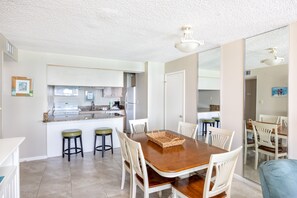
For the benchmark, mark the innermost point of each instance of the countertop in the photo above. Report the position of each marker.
(85, 116)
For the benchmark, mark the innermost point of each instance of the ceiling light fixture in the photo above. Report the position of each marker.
(275, 60)
(187, 43)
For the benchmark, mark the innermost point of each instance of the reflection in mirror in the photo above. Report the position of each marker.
(266, 99)
(208, 104)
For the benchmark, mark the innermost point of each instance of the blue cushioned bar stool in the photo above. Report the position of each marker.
(205, 122)
(68, 135)
(103, 132)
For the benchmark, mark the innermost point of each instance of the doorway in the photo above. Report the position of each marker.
(174, 99)
(250, 99)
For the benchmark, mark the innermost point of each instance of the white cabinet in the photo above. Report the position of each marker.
(112, 92)
(78, 76)
(208, 83)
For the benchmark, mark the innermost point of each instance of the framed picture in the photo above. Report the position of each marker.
(21, 86)
(279, 91)
(89, 95)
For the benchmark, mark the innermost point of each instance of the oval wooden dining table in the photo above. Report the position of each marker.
(191, 156)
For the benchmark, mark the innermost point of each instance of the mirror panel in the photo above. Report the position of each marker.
(208, 104)
(266, 85)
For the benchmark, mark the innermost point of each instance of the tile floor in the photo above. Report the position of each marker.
(90, 177)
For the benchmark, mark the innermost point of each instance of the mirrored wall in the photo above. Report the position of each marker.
(208, 104)
(266, 94)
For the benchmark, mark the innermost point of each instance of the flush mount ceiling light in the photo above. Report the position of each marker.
(187, 43)
(275, 60)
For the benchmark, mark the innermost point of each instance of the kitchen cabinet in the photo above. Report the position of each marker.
(208, 83)
(112, 92)
(78, 76)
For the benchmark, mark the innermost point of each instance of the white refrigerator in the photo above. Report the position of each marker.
(130, 103)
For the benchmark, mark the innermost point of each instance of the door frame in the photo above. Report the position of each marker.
(184, 93)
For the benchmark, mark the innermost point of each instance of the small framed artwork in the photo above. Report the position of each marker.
(279, 91)
(89, 95)
(21, 86)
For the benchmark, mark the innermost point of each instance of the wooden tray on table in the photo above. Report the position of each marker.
(165, 139)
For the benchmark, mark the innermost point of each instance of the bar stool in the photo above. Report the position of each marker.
(68, 135)
(217, 120)
(211, 122)
(103, 131)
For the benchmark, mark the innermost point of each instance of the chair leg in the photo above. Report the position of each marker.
(75, 143)
(111, 144)
(81, 147)
(160, 194)
(103, 145)
(245, 155)
(63, 148)
(69, 149)
(256, 160)
(123, 175)
(95, 144)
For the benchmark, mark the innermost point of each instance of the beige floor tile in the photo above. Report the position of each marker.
(91, 176)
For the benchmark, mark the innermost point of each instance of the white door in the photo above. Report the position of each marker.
(174, 99)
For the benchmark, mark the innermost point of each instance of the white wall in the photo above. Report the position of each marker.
(190, 65)
(268, 77)
(142, 94)
(156, 95)
(150, 95)
(22, 116)
(292, 92)
(232, 64)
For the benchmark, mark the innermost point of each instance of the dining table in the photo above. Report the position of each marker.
(175, 161)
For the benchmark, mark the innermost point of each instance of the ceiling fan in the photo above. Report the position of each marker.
(274, 60)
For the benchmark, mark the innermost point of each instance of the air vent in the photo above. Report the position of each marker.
(9, 48)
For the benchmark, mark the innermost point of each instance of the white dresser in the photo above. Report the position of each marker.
(10, 167)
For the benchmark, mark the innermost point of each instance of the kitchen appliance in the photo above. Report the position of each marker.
(130, 104)
(117, 104)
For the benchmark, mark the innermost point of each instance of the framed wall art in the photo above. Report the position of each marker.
(21, 86)
(279, 91)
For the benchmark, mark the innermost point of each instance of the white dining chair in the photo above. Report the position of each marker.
(283, 121)
(145, 177)
(219, 137)
(248, 143)
(219, 186)
(187, 129)
(138, 126)
(125, 158)
(264, 144)
(269, 118)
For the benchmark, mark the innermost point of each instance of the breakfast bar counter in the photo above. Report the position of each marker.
(85, 122)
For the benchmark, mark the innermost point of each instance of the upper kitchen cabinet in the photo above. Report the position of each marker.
(209, 70)
(112, 92)
(78, 76)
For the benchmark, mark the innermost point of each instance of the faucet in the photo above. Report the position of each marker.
(92, 106)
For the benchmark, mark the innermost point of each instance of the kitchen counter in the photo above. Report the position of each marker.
(87, 123)
(83, 116)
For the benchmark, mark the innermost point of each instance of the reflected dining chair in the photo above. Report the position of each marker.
(221, 138)
(264, 144)
(218, 186)
(125, 158)
(138, 126)
(249, 142)
(283, 121)
(269, 118)
(187, 129)
(143, 176)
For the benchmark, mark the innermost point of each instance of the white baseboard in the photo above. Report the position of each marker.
(33, 158)
(248, 182)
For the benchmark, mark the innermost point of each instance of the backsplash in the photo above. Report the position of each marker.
(80, 99)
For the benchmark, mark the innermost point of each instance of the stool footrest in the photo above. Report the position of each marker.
(71, 153)
(107, 148)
